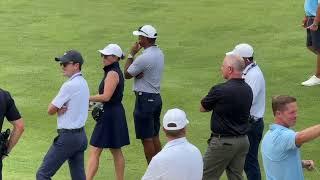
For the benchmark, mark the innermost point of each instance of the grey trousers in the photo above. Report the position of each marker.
(66, 146)
(225, 153)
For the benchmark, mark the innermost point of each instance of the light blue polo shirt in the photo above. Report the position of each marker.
(280, 155)
(310, 7)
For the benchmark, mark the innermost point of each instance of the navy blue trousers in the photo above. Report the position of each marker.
(251, 166)
(66, 146)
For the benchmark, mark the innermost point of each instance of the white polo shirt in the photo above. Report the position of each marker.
(178, 160)
(254, 77)
(74, 94)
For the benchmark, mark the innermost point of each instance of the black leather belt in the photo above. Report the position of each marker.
(70, 130)
(140, 93)
(226, 135)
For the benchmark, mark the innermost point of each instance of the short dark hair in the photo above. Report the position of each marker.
(279, 102)
(174, 133)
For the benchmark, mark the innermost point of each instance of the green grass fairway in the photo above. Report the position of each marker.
(194, 36)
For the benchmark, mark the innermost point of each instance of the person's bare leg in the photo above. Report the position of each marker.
(312, 49)
(119, 163)
(148, 147)
(156, 144)
(318, 65)
(93, 162)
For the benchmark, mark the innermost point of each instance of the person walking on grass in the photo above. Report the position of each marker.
(111, 131)
(311, 24)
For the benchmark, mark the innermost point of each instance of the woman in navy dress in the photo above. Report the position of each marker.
(111, 129)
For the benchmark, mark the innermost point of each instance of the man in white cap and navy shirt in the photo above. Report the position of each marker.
(71, 106)
(254, 77)
(178, 159)
(146, 69)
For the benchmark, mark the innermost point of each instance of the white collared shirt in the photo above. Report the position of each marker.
(178, 160)
(254, 77)
(74, 94)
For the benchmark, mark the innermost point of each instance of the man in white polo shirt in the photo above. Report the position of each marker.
(178, 159)
(253, 76)
(71, 107)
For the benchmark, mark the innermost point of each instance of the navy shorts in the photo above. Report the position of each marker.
(313, 37)
(147, 115)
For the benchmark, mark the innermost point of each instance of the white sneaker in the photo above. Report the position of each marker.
(312, 81)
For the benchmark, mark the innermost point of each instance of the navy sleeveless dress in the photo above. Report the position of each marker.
(111, 130)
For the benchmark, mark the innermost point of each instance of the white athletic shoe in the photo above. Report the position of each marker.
(312, 81)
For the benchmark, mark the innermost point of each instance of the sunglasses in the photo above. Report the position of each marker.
(105, 56)
(66, 64)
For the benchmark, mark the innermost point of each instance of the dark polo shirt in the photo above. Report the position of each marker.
(231, 102)
(8, 108)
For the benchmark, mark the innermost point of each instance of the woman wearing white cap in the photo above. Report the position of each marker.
(111, 129)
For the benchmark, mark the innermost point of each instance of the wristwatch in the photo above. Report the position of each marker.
(130, 56)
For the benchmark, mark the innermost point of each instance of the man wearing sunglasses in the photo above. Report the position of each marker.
(146, 69)
(71, 107)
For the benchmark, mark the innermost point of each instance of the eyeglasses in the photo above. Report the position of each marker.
(66, 64)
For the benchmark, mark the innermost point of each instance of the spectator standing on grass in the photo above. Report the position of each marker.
(111, 129)
(71, 106)
(280, 147)
(146, 69)
(9, 111)
(253, 76)
(311, 23)
(178, 159)
(230, 104)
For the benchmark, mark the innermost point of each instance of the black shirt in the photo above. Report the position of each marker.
(231, 102)
(8, 108)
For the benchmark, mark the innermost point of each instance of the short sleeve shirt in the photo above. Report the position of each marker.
(150, 63)
(74, 94)
(230, 103)
(310, 7)
(280, 155)
(8, 108)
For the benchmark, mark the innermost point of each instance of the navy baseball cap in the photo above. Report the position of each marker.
(70, 56)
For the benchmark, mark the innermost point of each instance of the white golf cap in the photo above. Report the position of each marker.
(112, 49)
(175, 119)
(146, 31)
(243, 50)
